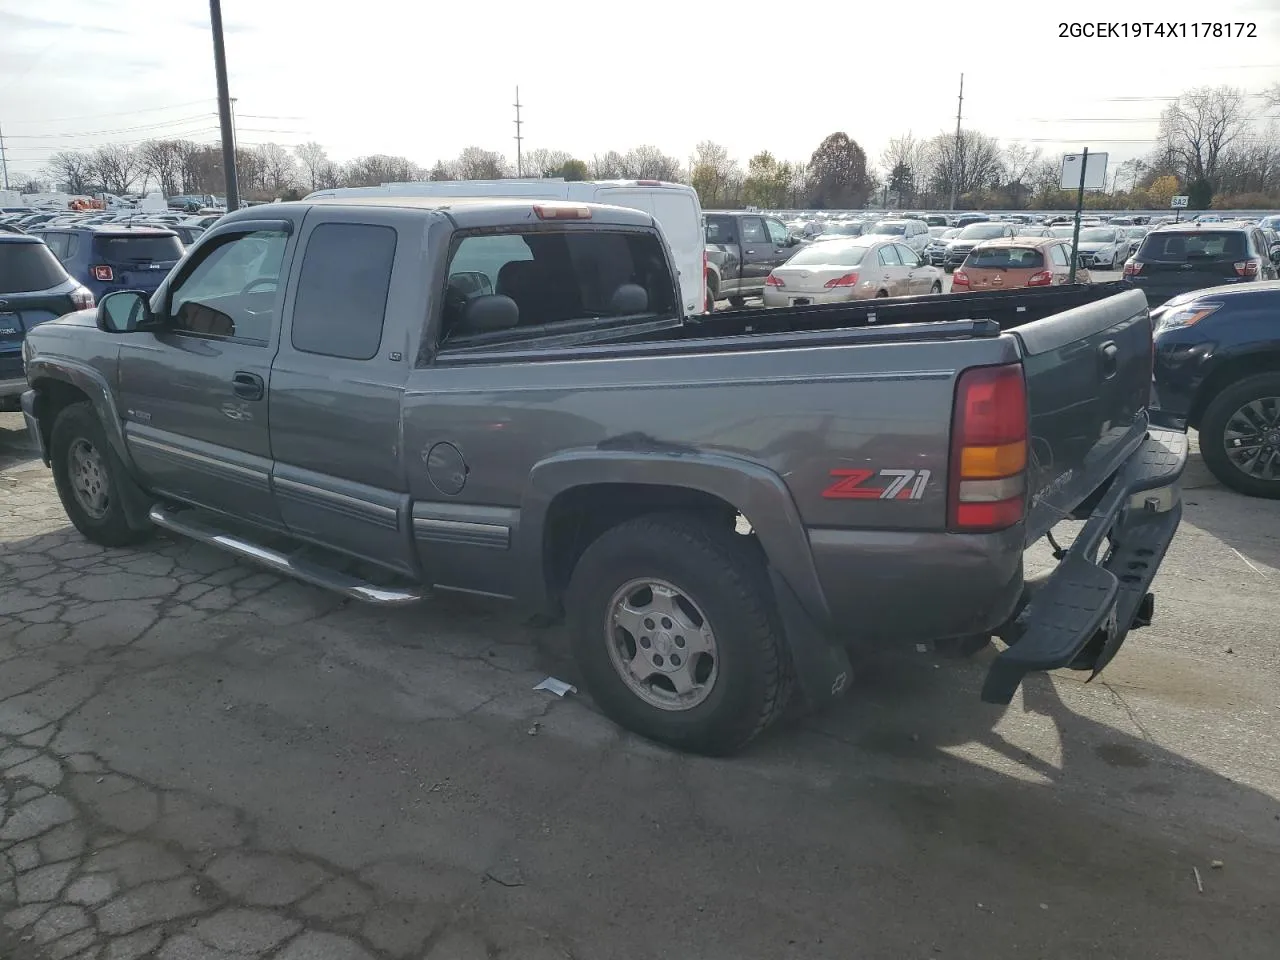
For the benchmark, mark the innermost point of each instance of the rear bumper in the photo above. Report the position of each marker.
(1083, 612)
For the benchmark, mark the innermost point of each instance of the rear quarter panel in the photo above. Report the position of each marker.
(812, 416)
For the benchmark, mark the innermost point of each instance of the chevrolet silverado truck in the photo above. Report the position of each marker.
(392, 397)
(742, 250)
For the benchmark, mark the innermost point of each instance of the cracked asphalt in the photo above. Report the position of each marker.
(201, 761)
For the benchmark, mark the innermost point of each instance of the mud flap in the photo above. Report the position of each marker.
(822, 667)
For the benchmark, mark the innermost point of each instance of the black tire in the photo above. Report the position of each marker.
(936, 288)
(881, 293)
(78, 424)
(723, 576)
(1213, 427)
(737, 302)
(711, 294)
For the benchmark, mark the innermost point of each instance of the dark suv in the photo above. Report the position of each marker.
(33, 288)
(1179, 258)
(107, 258)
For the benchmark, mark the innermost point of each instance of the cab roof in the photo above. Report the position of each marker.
(475, 211)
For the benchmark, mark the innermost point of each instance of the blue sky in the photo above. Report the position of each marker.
(425, 80)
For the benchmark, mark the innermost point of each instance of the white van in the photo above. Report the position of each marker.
(674, 206)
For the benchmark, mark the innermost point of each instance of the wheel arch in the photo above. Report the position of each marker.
(1227, 373)
(61, 383)
(574, 497)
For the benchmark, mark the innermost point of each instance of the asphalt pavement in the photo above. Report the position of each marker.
(201, 761)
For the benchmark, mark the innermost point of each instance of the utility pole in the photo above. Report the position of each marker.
(955, 158)
(224, 108)
(4, 160)
(519, 138)
(1075, 232)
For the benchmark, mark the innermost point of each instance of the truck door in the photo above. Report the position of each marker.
(194, 395)
(338, 380)
(757, 253)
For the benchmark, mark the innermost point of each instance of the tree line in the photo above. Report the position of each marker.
(1211, 146)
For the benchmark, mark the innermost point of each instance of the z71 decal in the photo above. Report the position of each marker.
(887, 485)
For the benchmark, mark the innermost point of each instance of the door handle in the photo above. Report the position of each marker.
(247, 386)
(748, 251)
(1107, 353)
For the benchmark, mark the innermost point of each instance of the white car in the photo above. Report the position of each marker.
(1104, 248)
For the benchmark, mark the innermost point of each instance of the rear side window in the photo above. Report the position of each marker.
(136, 249)
(25, 267)
(342, 290)
(1058, 254)
(502, 281)
(1007, 258)
(720, 230)
(1189, 247)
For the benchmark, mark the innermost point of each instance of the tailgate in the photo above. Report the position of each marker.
(1088, 380)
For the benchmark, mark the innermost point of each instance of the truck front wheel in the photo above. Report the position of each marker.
(90, 479)
(675, 634)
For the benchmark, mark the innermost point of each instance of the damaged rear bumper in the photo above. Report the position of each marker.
(1099, 591)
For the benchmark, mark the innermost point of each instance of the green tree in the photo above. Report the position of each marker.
(838, 174)
(574, 170)
(1200, 194)
(767, 181)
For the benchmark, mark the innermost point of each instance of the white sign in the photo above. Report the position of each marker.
(1095, 174)
(1179, 203)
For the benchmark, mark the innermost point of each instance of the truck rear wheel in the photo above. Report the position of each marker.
(90, 478)
(1240, 436)
(675, 634)
(737, 302)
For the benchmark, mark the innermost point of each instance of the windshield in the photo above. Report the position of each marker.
(829, 254)
(982, 231)
(25, 267)
(886, 228)
(1097, 235)
(141, 249)
(845, 229)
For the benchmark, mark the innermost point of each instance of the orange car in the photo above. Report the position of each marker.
(1012, 262)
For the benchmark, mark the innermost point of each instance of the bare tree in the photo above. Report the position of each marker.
(610, 165)
(972, 161)
(1200, 125)
(649, 163)
(905, 161)
(26, 183)
(541, 162)
(715, 175)
(279, 169)
(475, 163)
(163, 160)
(72, 171)
(117, 166)
(380, 168)
(314, 162)
(1019, 160)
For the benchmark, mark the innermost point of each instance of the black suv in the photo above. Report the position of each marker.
(1182, 257)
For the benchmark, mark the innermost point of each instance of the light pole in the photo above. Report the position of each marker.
(224, 108)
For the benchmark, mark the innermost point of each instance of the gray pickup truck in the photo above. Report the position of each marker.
(742, 249)
(388, 398)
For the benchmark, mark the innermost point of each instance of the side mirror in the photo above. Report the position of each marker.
(1275, 253)
(124, 311)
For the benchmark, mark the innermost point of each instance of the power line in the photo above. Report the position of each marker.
(118, 113)
(99, 133)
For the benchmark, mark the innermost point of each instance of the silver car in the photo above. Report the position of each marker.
(839, 270)
(1103, 247)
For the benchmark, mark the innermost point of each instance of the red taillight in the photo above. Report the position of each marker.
(103, 272)
(1042, 279)
(1132, 268)
(773, 281)
(959, 279)
(562, 211)
(988, 450)
(848, 280)
(1247, 268)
